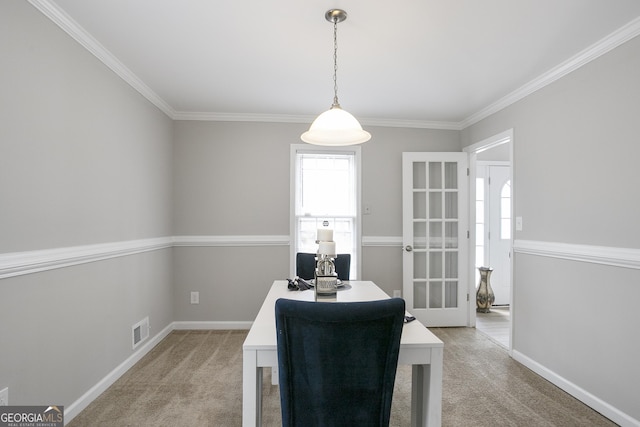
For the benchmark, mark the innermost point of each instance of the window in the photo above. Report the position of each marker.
(325, 193)
(505, 211)
(480, 261)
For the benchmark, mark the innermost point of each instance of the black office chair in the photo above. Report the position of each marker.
(337, 361)
(306, 265)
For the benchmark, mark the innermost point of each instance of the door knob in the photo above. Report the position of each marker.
(408, 248)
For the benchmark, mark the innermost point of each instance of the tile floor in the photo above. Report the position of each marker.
(495, 324)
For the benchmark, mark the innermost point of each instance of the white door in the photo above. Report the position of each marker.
(499, 232)
(435, 233)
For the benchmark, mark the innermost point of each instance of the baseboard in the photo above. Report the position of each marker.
(76, 407)
(211, 325)
(579, 393)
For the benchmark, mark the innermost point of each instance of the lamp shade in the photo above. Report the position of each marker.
(335, 127)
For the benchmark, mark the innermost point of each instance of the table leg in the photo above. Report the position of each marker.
(426, 392)
(434, 410)
(419, 395)
(251, 390)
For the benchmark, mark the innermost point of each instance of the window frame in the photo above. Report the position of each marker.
(356, 257)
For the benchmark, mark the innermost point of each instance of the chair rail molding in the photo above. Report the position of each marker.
(277, 240)
(390, 241)
(617, 257)
(18, 263)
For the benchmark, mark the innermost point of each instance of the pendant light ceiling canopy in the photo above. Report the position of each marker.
(335, 126)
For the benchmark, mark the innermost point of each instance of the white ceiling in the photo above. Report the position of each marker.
(424, 63)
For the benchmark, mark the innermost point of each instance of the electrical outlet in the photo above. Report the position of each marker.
(397, 293)
(195, 297)
(4, 397)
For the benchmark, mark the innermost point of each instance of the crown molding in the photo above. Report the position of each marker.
(286, 118)
(419, 124)
(240, 117)
(610, 42)
(67, 24)
(79, 34)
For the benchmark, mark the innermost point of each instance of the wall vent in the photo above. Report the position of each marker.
(140, 332)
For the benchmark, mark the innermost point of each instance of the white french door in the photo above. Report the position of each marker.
(435, 237)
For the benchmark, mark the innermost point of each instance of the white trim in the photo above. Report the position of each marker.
(281, 240)
(579, 393)
(212, 325)
(18, 263)
(505, 137)
(76, 407)
(491, 142)
(294, 150)
(608, 43)
(617, 257)
(389, 241)
(101, 386)
(66, 23)
(284, 118)
(79, 34)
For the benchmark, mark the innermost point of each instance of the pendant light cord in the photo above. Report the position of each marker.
(336, 104)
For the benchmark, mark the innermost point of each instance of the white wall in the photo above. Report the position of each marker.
(84, 160)
(576, 181)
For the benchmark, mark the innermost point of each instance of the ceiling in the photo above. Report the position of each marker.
(421, 63)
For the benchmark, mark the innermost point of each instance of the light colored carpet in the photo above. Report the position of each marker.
(194, 378)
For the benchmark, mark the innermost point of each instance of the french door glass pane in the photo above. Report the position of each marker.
(451, 205)
(435, 265)
(419, 234)
(419, 205)
(435, 175)
(435, 205)
(451, 294)
(419, 265)
(419, 295)
(435, 294)
(451, 235)
(451, 265)
(419, 176)
(435, 235)
(450, 175)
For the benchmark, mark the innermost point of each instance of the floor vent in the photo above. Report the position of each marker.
(140, 332)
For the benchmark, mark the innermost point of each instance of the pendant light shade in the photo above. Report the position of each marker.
(335, 126)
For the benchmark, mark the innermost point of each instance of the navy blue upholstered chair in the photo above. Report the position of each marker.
(337, 361)
(306, 265)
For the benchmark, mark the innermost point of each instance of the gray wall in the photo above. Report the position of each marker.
(84, 159)
(576, 181)
(233, 179)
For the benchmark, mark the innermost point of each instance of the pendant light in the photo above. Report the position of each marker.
(335, 126)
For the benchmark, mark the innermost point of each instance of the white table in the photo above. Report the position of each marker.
(418, 347)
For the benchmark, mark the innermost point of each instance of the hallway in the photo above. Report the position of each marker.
(495, 324)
